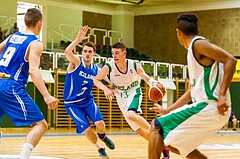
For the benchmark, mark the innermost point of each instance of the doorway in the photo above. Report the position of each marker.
(22, 8)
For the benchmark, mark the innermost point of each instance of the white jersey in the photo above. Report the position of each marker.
(205, 81)
(125, 82)
(129, 96)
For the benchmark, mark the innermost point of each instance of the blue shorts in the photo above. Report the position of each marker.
(82, 114)
(17, 104)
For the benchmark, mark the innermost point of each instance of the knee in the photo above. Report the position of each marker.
(87, 131)
(43, 124)
(99, 124)
(131, 115)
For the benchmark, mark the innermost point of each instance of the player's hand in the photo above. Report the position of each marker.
(159, 109)
(222, 106)
(109, 94)
(152, 82)
(51, 102)
(82, 33)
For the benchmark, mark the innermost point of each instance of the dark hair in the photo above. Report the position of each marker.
(119, 45)
(90, 44)
(32, 17)
(188, 23)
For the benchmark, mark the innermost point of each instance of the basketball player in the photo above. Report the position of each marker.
(78, 98)
(185, 126)
(125, 76)
(20, 56)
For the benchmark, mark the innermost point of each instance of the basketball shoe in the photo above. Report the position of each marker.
(102, 153)
(108, 143)
(165, 153)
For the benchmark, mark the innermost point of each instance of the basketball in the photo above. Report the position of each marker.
(156, 92)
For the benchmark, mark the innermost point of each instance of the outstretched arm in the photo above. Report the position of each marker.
(150, 81)
(184, 99)
(74, 60)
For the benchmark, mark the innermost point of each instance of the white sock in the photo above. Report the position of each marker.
(26, 151)
(98, 146)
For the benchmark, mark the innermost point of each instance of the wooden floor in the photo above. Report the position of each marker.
(64, 143)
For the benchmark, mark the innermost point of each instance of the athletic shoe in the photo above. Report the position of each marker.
(234, 130)
(165, 153)
(109, 143)
(102, 153)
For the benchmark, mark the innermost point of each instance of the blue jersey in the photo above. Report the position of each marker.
(12, 59)
(78, 85)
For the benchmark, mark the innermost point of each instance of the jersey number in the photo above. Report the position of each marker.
(7, 56)
(124, 94)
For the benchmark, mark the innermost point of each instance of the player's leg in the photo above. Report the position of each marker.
(91, 136)
(33, 137)
(155, 144)
(138, 119)
(143, 133)
(23, 111)
(95, 115)
(133, 109)
(196, 154)
(234, 121)
(78, 115)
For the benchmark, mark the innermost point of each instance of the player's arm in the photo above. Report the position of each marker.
(74, 59)
(144, 76)
(34, 54)
(184, 99)
(211, 51)
(98, 82)
(105, 78)
(205, 48)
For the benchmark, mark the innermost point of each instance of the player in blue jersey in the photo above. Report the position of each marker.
(78, 98)
(20, 56)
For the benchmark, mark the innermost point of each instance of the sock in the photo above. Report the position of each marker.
(101, 136)
(165, 152)
(98, 146)
(26, 151)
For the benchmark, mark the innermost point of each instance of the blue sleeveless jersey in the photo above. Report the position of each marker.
(78, 85)
(12, 59)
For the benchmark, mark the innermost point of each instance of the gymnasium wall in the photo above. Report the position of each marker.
(6, 10)
(96, 20)
(155, 35)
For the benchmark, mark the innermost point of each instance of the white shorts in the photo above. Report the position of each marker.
(189, 126)
(131, 102)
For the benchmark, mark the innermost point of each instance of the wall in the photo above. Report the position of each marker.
(100, 21)
(155, 36)
(234, 89)
(6, 10)
(160, 42)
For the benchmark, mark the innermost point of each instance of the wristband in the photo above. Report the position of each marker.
(150, 82)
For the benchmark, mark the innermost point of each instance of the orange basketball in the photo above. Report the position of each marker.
(156, 92)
